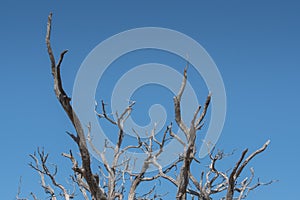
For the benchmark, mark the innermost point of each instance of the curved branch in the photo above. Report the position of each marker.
(64, 100)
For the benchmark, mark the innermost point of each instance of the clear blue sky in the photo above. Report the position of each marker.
(255, 45)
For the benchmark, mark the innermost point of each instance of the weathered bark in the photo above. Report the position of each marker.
(237, 170)
(190, 134)
(96, 192)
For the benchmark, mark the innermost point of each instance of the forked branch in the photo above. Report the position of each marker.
(96, 192)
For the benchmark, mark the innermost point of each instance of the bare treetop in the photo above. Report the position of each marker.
(116, 180)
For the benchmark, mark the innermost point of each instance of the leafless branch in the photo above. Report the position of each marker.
(104, 115)
(43, 171)
(96, 191)
(177, 100)
(33, 196)
(239, 168)
(19, 191)
(190, 134)
(198, 124)
(78, 175)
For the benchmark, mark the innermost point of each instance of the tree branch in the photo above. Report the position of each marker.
(96, 192)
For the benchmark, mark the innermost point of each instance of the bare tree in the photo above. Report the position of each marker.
(117, 180)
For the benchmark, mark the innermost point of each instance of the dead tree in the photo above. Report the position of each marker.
(112, 179)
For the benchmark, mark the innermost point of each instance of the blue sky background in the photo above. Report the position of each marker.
(254, 44)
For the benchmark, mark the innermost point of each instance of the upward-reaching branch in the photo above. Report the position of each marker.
(96, 192)
(239, 168)
(177, 100)
(190, 134)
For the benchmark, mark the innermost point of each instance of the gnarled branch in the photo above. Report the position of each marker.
(96, 192)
